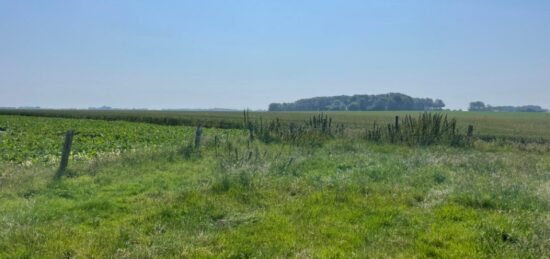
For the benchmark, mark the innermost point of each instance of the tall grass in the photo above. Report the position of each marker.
(426, 129)
(313, 131)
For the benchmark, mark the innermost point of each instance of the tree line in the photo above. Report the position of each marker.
(381, 102)
(482, 107)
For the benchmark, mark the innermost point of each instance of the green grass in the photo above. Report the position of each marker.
(233, 198)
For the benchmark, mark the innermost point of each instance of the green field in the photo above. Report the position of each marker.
(526, 125)
(39, 140)
(137, 190)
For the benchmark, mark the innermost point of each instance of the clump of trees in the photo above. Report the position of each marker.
(482, 107)
(382, 102)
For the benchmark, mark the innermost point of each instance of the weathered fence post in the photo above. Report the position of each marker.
(66, 153)
(216, 142)
(470, 131)
(198, 134)
(397, 123)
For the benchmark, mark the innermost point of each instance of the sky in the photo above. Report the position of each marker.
(246, 54)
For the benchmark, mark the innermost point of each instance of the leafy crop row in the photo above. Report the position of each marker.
(33, 139)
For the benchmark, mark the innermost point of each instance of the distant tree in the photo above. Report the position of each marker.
(354, 106)
(439, 104)
(477, 106)
(530, 108)
(275, 107)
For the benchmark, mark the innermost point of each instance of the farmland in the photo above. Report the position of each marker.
(514, 125)
(32, 140)
(136, 189)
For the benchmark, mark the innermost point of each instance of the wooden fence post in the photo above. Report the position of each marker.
(470, 131)
(397, 123)
(198, 134)
(216, 142)
(66, 153)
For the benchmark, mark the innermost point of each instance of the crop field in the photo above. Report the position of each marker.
(138, 187)
(534, 126)
(30, 140)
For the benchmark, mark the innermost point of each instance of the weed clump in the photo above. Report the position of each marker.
(314, 131)
(189, 151)
(427, 129)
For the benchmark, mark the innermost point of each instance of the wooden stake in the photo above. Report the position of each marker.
(198, 134)
(396, 123)
(66, 153)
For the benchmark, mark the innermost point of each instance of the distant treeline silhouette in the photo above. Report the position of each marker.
(381, 102)
(481, 107)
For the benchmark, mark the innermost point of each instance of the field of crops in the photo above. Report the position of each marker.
(28, 139)
(35, 139)
(523, 125)
(141, 190)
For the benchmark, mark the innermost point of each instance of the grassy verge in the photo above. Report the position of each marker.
(239, 199)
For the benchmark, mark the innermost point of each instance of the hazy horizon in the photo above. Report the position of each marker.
(213, 108)
(247, 54)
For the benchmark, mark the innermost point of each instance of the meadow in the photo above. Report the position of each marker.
(142, 190)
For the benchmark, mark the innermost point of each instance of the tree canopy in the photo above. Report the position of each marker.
(382, 102)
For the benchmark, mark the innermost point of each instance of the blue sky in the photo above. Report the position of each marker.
(239, 54)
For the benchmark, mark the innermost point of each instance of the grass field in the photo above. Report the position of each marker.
(348, 197)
